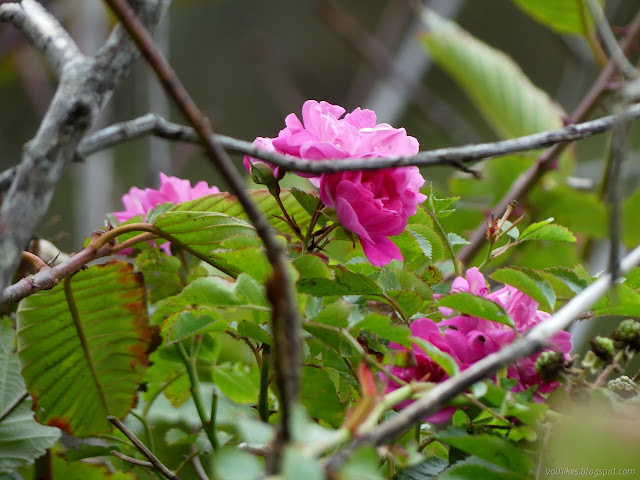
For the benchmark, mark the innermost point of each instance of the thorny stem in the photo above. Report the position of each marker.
(288, 218)
(456, 263)
(314, 219)
(190, 365)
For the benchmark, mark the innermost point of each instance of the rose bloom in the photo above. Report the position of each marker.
(468, 339)
(372, 204)
(172, 190)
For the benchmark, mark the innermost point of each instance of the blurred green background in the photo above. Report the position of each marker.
(248, 63)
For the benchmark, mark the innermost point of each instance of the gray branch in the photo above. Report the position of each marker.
(43, 31)
(437, 397)
(86, 84)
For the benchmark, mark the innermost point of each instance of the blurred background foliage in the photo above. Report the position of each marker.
(249, 63)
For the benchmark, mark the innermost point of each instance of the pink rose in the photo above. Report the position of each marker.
(172, 189)
(425, 369)
(374, 205)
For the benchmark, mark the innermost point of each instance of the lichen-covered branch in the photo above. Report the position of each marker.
(43, 31)
(86, 84)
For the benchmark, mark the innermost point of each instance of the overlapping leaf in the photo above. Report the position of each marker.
(22, 439)
(504, 95)
(84, 363)
(563, 16)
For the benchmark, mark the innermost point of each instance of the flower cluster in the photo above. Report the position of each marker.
(467, 339)
(374, 205)
(172, 190)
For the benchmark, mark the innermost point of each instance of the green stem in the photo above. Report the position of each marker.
(190, 365)
(487, 257)
(456, 263)
(263, 400)
(111, 235)
(396, 307)
(147, 432)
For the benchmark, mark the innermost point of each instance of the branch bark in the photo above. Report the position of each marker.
(152, 124)
(43, 31)
(86, 84)
(438, 396)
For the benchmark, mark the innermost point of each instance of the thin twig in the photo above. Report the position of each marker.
(197, 466)
(435, 398)
(280, 289)
(157, 464)
(152, 124)
(609, 39)
(134, 461)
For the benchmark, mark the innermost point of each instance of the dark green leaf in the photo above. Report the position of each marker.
(22, 439)
(443, 359)
(238, 382)
(382, 326)
(184, 324)
(82, 368)
(312, 266)
(336, 314)
(529, 282)
(319, 397)
(345, 283)
(161, 273)
(490, 448)
(545, 230)
(426, 470)
(473, 468)
(477, 306)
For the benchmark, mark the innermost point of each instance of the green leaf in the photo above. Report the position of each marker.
(477, 306)
(473, 468)
(312, 266)
(344, 283)
(563, 16)
(443, 359)
(318, 395)
(496, 85)
(336, 314)
(633, 278)
(364, 464)
(297, 465)
(307, 200)
(381, 325)
(201, 231)
(187, 323)
(251, 330)
(161, 273)
(426, 232)
(238, 382)
(231, 463)
(565, 282)
(82, 367)
(456, 239)
(491, 448)
(426, 470)
(545, 230)
(22, 439)
(580, 212)
(631, 225)
(623, 300)
(529, 282)
(229, 205)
